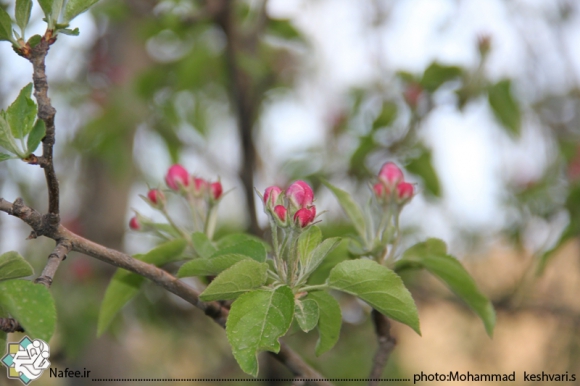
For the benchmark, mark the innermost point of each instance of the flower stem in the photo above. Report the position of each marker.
(316, 287)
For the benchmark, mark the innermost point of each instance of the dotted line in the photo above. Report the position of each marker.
(249, 380)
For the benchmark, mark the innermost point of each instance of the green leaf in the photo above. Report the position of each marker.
(13, 266)
(56, 11)
(6, 138)
(431, 246)
(329, 321)
(202, 245)
(165, 228)
(432, 255)
(351, 208)
(569, 232)
(165, 253)
(22, 13)
(46, 6)
(306, 313)
(76, 7)
(422, 166)
(5, 157)
(256, 321)
(386, 116)
(377, 285)
(505, 107)
(357, 163)
(34, 40)
(125, 285)
(5, 26)
(243, 276)
(283, 29)
(209, 267)
(32, 305)
(307, 242)
(22, 113)
(320, 252)
(69, 32)
(437, 74)
(35, 137)
(251, 248)
(3, 335)
(236, 238)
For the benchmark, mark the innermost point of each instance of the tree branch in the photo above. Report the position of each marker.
(46, 113)
(245, 105)
(63, 247)
(68, 241)
(10, 325)
(386, 345)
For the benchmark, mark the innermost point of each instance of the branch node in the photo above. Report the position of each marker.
(44, 280)
(10, 325)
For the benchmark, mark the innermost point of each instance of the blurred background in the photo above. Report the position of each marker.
(477, 99)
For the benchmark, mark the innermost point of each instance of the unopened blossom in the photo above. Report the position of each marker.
(134, 223)
(280, 213)
(390, 175)
(271, 195)
(156, 196)
(216, 190)
(199, 186)
(177, 177)
(304, 216)
(300, 194)
(405, 192)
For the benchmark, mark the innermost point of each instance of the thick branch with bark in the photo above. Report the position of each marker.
(164, 279)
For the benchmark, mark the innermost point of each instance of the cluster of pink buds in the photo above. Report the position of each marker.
(294, 207)
(392, 186)
(179, 180)
(199, 193)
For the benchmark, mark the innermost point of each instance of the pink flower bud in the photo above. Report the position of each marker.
(216, 190)
(483, 44)
(176, 177)
(404, 192)
(313, 212)
(379, 190)
(300, 194)
(390, 175)
(200, 186)
(156, 196)
(274, 193)
(412, 94)
(134, 223)
(280, 212)
(304, 217)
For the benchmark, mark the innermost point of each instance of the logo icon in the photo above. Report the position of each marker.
(27, 359)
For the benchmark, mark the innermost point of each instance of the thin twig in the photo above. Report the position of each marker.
(46, 113)
(63, 247)
(386, 345)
